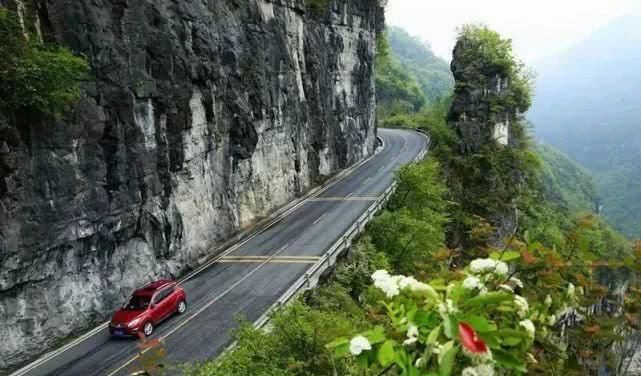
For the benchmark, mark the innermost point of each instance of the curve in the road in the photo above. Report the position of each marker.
(250, 278)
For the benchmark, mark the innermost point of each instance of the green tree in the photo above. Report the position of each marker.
(33, 76)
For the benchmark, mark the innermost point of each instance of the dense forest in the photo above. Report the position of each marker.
(587, 105)
(409, 77)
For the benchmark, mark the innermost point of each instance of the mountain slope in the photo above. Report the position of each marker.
(432, 72)
(587, 104)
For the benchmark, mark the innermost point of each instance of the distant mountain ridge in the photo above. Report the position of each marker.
(588, 104)
(431, 72)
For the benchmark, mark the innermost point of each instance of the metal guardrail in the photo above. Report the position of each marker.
(310, 279)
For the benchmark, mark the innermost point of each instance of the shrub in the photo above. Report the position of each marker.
(35, 77)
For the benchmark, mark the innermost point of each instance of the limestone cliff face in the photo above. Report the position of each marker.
(487, 116)
(200, 117)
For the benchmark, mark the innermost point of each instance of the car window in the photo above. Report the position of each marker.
(160, 296)
(137, 303)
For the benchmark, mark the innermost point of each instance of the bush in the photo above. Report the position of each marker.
(35, 77)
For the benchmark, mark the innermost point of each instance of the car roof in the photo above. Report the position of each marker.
(151, 288)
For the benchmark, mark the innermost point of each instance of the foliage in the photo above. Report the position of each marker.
(35, 77)
(475, 322)
(411, 230)
(569, 296)
(480, 55)
(432, 73)
(396, 89)
(294, 345)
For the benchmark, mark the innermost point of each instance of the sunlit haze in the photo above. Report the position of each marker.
(538, 28)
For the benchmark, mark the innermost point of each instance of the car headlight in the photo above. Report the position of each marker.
(134, 322)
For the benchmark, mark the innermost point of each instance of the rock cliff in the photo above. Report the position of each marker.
(490, 96)
(200, 117)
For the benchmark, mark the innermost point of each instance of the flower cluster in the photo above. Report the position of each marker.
(392, 285)
(464, 327)
(484, 266)
(358, 344)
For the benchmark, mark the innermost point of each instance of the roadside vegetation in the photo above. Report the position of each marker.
(428, 289)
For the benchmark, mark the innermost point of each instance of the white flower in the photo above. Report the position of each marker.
(529, 327)
(424, 288)
(380, 275)
(516, 281)
(482, 266)
(471, 283)
(412, 335)
(570, 290)
(412, 331)
(501, 268)
(521, 304)
(548, 300)
(485, 370)
(506, 288)
(416, 286)
(388, 284)
(417, 363)
(447, 307)
(406, 282)
(358, 344)
(469, 371)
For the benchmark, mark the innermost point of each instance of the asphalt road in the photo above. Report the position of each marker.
(247, 281)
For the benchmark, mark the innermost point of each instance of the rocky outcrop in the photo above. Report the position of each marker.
(487, 117)
(200, 117)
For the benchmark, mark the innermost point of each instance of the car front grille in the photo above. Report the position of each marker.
(117, 326)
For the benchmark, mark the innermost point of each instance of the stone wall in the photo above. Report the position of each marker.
(201, 116)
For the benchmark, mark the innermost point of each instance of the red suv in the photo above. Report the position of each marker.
(148, 306)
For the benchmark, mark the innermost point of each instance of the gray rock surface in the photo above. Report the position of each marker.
(484, 119)
(201, 117)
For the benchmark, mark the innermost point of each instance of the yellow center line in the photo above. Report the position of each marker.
(273, 260)
(276, 261)
(199, 311)
(346, 198)
(268, 257)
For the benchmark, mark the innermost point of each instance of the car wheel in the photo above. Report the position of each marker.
(182, 306)
(148, 329)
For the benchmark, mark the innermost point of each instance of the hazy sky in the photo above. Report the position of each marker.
(538, 27)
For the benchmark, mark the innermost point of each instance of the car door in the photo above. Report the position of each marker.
(162, 303)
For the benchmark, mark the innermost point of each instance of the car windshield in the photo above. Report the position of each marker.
(137, 302)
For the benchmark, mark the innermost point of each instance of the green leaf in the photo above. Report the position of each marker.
(505, 256)
(362, 360)
(376, 335)
(480, 324)
(433, 336)
(386, 354)
(513, 333)
(449, 327)
(341, 350)
(512, 341)
(425, 319)
(446, 362)
(337, 342)
(508, 360)
(494, 297)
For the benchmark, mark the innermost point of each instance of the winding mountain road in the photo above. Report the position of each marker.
(251, 275)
